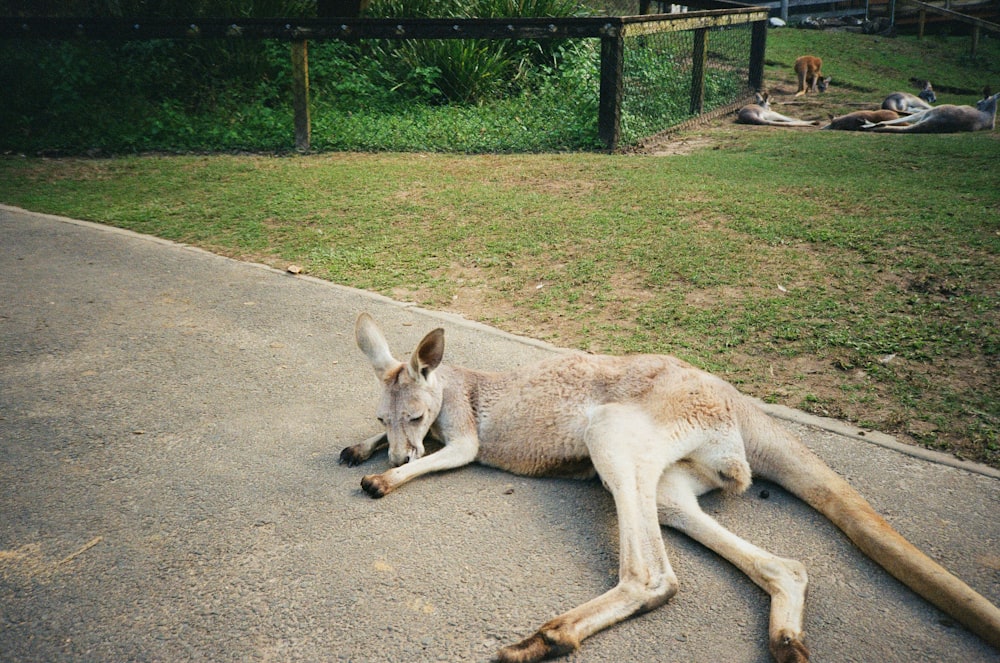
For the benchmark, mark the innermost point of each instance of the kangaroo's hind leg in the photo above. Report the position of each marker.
(629, 453)
(912, 118)
(783, 579)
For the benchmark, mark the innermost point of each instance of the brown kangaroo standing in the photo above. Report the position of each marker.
(808, 69)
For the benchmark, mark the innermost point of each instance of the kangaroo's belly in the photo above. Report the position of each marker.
(537, 425)
(531, 433)
(538, 446)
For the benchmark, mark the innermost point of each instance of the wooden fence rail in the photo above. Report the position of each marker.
(977, 24)
(612, 31)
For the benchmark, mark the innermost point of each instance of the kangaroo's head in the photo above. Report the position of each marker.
(989, 104)
(927, 93)
(823, 83)
(411, 392)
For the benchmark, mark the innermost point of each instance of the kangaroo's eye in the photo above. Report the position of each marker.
(415, 418)
(381, 420)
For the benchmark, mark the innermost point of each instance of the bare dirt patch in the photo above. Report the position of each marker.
(673, 144)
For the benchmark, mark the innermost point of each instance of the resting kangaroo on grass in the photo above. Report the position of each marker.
(760, 113)
(944, 119)
(659, 433)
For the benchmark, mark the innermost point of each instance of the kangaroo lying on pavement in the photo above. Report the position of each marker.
(659, 433)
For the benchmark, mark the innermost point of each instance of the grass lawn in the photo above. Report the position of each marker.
(848, 274)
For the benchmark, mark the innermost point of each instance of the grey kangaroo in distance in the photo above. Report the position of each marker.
(944, 119)
(659, 433)
(904, 102)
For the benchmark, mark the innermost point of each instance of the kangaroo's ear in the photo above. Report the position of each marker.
(371, 341)
(428, 355)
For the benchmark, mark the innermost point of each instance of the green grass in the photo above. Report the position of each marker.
(853, 275)
(871, 66)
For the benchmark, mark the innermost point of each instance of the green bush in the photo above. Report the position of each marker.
(471, 70)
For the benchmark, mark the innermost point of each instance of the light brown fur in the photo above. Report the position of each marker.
(856, 121)
(659, 433)
(811, 79)
(760, 113)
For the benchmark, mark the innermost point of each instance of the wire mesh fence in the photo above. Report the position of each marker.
(376, 84)
(661, 77)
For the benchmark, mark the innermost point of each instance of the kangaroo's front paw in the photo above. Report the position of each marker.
(352, 456)
(376, 485)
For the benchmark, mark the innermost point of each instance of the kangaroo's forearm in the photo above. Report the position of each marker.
(455, 454)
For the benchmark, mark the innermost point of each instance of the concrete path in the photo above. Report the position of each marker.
(170, 423)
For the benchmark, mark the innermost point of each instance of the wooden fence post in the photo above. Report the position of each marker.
(300, 94)
(758, 45)
(699, 58)
(609, 114)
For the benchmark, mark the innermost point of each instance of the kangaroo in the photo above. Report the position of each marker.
(856, 120)
(944, 119)
(760, 113)
(807, 69)
(927, 93)
(904, 102)
(659, 433)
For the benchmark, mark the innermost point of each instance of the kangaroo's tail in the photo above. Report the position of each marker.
(776, 454)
